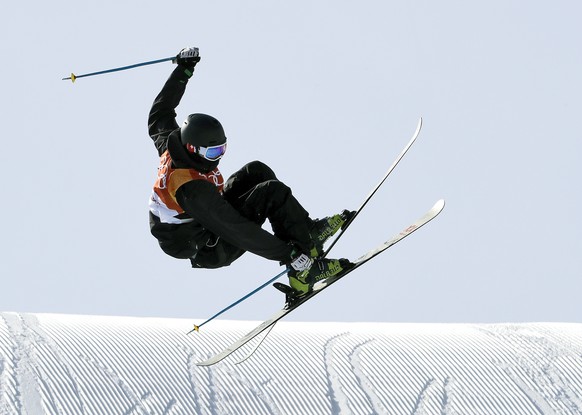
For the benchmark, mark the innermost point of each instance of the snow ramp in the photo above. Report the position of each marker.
(65, 364)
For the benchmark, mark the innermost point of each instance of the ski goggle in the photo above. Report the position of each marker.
(209, 153)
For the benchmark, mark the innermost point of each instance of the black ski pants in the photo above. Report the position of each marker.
(256, 193)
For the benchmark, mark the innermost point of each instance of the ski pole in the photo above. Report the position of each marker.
(240, 300)
(74, 77)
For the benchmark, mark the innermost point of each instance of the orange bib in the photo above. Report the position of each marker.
(163, 201)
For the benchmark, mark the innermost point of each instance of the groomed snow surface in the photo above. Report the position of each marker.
(61, 364)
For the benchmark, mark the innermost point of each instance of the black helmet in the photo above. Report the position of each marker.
(201, 130)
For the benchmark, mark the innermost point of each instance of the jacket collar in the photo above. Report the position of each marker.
(184, 160)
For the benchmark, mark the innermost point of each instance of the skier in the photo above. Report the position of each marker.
(195, 215)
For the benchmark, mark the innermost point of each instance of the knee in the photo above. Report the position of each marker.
(260, 170)
(270, 193)
(278, 191)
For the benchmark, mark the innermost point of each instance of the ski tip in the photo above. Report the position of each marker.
(438, 206)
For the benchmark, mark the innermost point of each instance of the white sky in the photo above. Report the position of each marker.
(327, 93)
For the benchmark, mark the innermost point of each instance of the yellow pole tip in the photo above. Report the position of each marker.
(196, 328)
(73, 77)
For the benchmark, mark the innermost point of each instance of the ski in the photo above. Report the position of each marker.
(283, 287)
(338, 236)
(289, 307)
(380, 183)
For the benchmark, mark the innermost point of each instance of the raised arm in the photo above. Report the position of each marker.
(162, 117)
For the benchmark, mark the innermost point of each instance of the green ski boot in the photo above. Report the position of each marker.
(302, 282)
(325, 228)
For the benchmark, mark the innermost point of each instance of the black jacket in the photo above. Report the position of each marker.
(213, 215)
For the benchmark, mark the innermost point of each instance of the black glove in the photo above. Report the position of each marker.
(188, 57)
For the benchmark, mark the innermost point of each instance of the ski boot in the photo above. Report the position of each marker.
(302, 282)
(323, 229)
